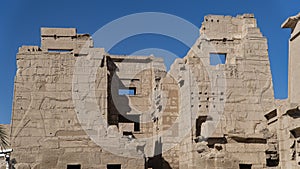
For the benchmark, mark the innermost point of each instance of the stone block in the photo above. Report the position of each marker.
(58, 32)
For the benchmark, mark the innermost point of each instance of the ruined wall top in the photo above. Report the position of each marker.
(292, 22)
(60, 40)
(46, 32)
(228, 27)
(64, 39)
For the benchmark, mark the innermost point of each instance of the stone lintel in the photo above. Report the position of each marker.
(58, 32)
(291, 22)
(249, 138)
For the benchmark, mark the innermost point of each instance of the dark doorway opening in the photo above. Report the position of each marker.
(272, 163)
(73, 166)
(199, 121)
(245, 166)
(113, 166)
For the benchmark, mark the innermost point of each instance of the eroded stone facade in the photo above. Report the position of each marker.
(283, 122)
(76, 106)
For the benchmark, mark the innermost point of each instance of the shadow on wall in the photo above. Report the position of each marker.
(158, 162)
(13, 162)
(117, 104)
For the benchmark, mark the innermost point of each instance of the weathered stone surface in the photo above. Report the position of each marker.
(75, 104)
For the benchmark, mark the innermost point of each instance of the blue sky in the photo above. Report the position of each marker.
(20, 23)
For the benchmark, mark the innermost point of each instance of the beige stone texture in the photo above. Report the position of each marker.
(76, 104)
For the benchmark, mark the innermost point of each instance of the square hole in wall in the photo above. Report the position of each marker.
(217, 58)
(128, 91)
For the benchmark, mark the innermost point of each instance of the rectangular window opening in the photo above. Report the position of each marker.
(131, 91)
(199, 121)
(127, 133)
(137, 126)
(245, 166)
(271, 114)
(113, 166)
(217, 58)
(59, 50)
(272, 162)
(73, 166)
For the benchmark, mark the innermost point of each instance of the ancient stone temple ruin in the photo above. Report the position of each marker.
(79, 107)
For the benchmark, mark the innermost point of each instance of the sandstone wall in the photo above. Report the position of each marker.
(229, 99)
(69, 108)
(49, 83)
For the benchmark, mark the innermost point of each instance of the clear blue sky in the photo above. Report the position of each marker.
(21, 21)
